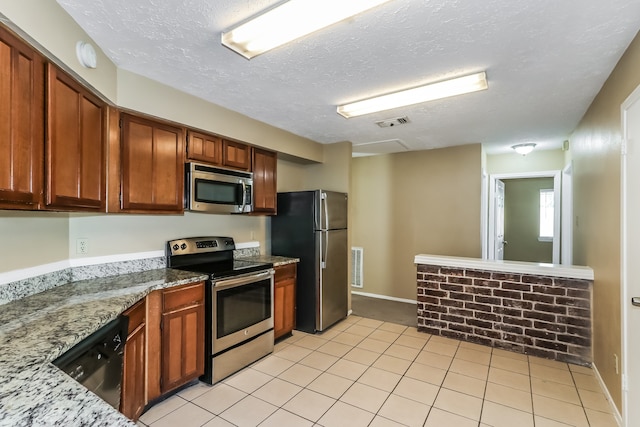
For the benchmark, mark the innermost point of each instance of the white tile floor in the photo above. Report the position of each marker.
(364, 372)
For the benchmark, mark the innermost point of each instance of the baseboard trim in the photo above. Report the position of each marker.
(603, 386)
(366, 294)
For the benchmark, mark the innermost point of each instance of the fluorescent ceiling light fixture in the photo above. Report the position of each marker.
(289, 21)
(524, 149)
(417, 95)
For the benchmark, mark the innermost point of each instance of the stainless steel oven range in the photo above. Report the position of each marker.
(239, 303)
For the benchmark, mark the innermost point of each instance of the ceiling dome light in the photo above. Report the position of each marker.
(524, 149)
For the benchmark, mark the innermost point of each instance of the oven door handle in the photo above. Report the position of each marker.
(238, 281)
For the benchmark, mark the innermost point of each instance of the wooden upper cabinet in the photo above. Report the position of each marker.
(152, 162)
(21, 124)
(75, 145)
(264, 181)
(205, 148)
(236, 155)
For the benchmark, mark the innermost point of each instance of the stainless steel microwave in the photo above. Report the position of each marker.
(217, 190)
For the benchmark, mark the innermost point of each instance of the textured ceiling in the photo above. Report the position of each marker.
(545, 61)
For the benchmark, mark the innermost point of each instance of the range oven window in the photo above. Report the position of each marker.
(242, 306)
(227, 193)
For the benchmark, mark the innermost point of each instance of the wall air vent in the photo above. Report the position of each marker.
(387, 123)
(356, 266)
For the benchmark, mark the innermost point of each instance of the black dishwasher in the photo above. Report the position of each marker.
(96, 362)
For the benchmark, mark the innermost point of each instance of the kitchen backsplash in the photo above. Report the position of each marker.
(23, 288)
(33, 285)
(246, 252)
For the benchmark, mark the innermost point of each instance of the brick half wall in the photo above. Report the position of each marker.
(541, 316)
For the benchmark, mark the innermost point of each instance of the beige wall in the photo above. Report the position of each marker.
(141, 94)
(522, 220)
(595, 147)
(32, 238)
(536, 161)
(411, 203)
(335, 173)
(45, 23)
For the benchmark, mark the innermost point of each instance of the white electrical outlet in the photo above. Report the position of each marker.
(617, 362)
(82, 246)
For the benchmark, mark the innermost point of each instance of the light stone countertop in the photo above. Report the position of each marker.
(37, 329)
(274, 259)
(535, 268)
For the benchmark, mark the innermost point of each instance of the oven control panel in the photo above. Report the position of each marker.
(194, 245)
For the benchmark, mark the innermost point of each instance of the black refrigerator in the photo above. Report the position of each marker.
(312, 226)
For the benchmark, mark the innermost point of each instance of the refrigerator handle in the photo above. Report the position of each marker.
(323, 198)
(325, 243)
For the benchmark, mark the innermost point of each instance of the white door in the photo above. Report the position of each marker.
(499, 220)
(630, 257)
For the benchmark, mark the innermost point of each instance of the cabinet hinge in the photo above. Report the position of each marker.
(120, 123)
(161, 383)
(162, 324)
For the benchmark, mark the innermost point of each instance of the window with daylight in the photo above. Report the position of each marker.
(546, 215)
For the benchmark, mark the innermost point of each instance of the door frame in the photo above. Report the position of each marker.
(566, 230)
(624, 261)
(556, 175)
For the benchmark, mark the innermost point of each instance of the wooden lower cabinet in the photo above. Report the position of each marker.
(284, 300)
(176, 338)
(182, 325)
(133, 398)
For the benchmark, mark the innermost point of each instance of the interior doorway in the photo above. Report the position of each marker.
(630, 254)
(493, 239)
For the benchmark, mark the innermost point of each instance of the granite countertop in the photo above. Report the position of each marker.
(37, 329)
(274, 259)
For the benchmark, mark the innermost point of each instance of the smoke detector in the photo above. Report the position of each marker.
(387, 123)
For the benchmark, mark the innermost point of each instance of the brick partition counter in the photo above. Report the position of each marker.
(539, 309)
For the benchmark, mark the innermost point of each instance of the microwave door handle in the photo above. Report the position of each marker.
(244, 196)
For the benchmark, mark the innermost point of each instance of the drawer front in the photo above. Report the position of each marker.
(182, 296)
(286, 271)
(136, 315)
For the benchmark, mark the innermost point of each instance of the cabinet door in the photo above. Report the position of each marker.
(284, 300)
(21, 124)
(182, 335)
(75, 173)
(206, 148)
(264, 181)
(134, 367)
(182, 346)
(236, 155)
(152, 166)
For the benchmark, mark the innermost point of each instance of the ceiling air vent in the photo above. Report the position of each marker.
(393, 122)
